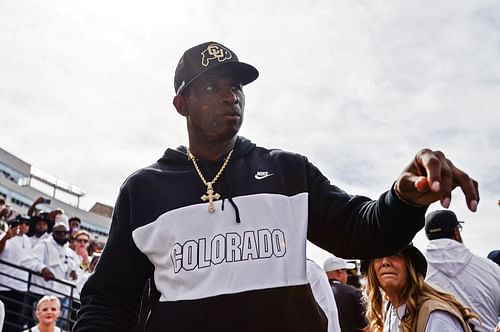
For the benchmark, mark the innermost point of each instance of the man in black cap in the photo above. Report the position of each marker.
(474, 280)
(219, 227)
(40, 225)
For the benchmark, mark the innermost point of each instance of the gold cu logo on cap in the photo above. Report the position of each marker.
(214, 51)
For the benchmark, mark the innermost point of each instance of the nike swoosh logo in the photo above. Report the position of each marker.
(262, 175)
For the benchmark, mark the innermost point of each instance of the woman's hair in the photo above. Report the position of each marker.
(80, 233)
(48, 298)
(414, 288)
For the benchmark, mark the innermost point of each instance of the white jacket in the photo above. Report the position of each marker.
(17, 251)
(474, 280)
(323, 294)
(60, 260)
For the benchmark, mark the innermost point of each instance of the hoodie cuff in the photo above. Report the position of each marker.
(400, 198)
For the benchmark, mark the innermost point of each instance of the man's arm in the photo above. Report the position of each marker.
(32, 208)
(111, 296)
(34, 258)
(12, 231)
(355, 226)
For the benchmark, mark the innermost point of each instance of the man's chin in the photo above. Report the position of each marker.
(61, 242)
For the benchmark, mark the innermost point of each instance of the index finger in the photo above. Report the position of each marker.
(469, 187)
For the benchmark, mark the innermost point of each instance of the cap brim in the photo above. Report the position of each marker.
(245, 72)
(350, 266)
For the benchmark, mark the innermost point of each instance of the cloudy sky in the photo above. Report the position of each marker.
(357, 86)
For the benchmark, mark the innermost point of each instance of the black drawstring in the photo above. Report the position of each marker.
(228, 184)
(236, 210)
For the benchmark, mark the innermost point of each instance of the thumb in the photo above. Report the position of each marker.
(410, 183)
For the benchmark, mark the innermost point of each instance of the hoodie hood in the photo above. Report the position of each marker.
(448, 256)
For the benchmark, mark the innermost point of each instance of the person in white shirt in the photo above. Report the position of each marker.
(323, 294)
(40, 225)
(413, 304)
(473, 279)
(15, 248)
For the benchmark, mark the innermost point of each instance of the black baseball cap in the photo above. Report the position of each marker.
(495, 256)
(440, 224)
(207, 56)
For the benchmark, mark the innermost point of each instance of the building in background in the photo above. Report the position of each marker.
(21, 184)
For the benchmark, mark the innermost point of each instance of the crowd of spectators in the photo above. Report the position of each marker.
(42, 253)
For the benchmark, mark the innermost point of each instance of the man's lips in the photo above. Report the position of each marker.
(232, 115)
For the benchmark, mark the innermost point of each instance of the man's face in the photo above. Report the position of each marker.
(60, 235)
(41, 227)
(342, 276)
(74, 225)
(214, 106)
(24, 227)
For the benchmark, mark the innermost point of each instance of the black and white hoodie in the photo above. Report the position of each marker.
(243, 267)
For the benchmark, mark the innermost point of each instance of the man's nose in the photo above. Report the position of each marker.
(229, 96)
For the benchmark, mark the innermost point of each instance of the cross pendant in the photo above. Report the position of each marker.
(210, 196)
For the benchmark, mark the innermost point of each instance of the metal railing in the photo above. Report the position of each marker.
(33, 291)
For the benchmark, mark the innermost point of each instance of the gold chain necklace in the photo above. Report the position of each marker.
(211, 195)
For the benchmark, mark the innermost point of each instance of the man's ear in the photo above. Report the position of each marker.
(456, 235)
(180, 105)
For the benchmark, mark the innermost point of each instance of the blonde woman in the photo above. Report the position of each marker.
(48, 310)
(413, 305)
(80, 244)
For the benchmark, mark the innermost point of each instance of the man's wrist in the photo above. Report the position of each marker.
(400, 197)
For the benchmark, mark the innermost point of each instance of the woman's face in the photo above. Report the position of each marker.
(391, 274)
(81, 242)
(48, 312)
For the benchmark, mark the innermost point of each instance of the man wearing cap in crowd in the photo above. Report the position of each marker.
(59, 262)
(219, 227)
(349, 299)
(474, 280)
(40, 228)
